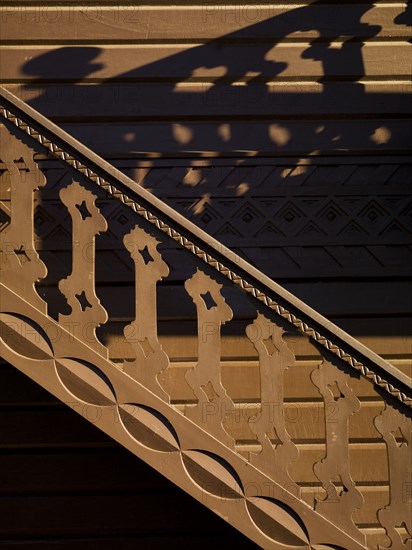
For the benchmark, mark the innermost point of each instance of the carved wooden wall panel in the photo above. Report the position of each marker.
(330, 220)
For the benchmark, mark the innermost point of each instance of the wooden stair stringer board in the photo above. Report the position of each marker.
(153, 430)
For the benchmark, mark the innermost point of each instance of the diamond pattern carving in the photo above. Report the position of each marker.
(279, 215)
(373, 213)
(331, 214)
(248, 214)
(290, 214)
(44, 223)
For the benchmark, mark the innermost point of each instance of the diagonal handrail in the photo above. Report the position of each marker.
(215, 254)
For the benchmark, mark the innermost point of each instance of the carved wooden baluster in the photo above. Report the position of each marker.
(397, 514)
(150, 268)
(334, 468)
(274, 358)
(205, 378)
(21, 266)
(79, 287)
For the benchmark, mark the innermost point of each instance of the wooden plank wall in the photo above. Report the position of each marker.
(233, 113)
(315, 77)
(242, 117)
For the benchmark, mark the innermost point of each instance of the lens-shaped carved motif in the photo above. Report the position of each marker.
(214, 475)
(74, 372)
(25, 337)
(278, 521)
(149, 427)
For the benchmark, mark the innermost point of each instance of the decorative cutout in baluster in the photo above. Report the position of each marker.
(79, 287)
(274, 358)
(150, 268)
(205, 378)
(333, 471)
(396, 517)
(20, 264)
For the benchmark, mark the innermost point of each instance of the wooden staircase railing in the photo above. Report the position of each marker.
(240, 456)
